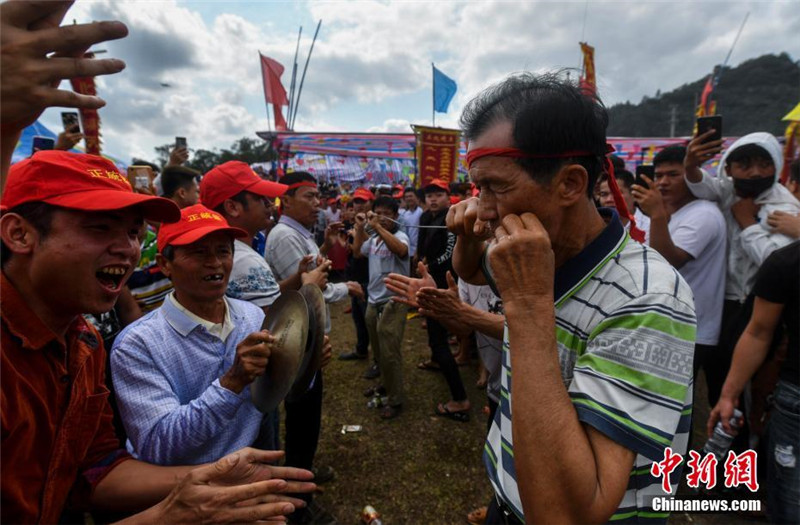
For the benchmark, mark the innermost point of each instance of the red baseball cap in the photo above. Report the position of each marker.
(81, 182)
(196, 222)
(233, 177)
(363, 194)
(438, 183)
(399, 191)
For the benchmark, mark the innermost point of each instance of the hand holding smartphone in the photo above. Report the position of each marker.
(42, 143)
(70, 121)
(645, 169)
(140, 177)
(706, 124)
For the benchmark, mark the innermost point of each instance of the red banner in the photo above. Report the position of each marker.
(437, 154)
(588, 79)
(90, 119)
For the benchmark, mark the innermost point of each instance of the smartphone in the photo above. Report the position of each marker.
(70, 121)
(140, 177)
(705, 124)
(42, 143)
(645, 169)
(180, 142)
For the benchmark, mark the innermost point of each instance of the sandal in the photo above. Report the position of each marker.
(462, 416)
(477, 516)
(429, 365)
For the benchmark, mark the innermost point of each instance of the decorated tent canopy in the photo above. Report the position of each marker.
(351, 156)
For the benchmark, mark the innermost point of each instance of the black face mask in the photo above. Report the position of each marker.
(748, 188)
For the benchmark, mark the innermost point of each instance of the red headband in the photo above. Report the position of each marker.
(300, 184)
(516, 153)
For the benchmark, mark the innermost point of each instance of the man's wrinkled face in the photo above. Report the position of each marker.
(505, 187)
(437, 200)
(84, 261)
(303, 206)
(200, 271)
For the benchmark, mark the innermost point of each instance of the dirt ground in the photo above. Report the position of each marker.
(418, 468)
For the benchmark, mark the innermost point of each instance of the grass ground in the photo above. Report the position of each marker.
(418, 468)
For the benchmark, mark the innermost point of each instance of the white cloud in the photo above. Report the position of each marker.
(374, 57)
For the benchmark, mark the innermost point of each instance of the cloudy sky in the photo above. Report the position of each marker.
(371, 66)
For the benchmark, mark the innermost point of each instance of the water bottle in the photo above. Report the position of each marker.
(370, 516)
(720, 441)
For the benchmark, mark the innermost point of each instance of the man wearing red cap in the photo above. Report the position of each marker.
(357, 269)
(69, 233)
(245, 200)
(182, 373)
(600, 330)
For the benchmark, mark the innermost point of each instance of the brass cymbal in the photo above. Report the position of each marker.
(317, 320)
(287, 320)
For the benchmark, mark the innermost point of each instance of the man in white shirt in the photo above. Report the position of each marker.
(746, 191)
(690, 234)
(410, 216)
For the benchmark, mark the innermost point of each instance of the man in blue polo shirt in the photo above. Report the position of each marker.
(183, 372)
(599, 329)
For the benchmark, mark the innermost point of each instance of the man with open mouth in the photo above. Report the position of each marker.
(69, 230)
(182, 372)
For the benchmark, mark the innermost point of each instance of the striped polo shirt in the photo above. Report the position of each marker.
(625, 329)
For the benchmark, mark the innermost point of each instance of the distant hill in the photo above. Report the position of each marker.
(751, 97)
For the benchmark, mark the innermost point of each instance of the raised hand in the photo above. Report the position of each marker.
(239, 488)
(462, 219)
(522, 260)
(405, 288)
(38, 54)
(699, 151)
(440, 303)
(648, 199)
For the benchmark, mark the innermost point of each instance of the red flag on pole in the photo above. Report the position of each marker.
(274, 92)
(706, 107)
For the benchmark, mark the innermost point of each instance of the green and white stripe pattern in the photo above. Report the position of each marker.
(625, 329)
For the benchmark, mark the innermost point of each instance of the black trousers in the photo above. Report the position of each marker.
(496, 516)
(359, 309)
(303, 419)
(440, 353)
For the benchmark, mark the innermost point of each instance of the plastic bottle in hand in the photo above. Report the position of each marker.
(720, 441)
(370, 516)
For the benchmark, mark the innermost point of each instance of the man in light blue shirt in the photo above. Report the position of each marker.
(182, 372)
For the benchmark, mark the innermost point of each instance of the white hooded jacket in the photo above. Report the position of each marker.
(748, 248)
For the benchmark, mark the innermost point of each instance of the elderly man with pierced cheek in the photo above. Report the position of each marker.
(69, 231)
(182, 372)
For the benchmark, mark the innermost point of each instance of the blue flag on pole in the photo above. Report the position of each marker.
(444, 88)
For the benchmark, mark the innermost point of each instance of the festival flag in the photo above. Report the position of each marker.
(707, 107)
(437, 153)
(444, 88)
(90, 118)
(791, 147)
(588, 80)
(274, 92)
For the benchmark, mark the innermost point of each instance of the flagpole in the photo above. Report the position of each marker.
(266, 104)
(433, 95)
(730, 51)
(303, 78)
(294, 73)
